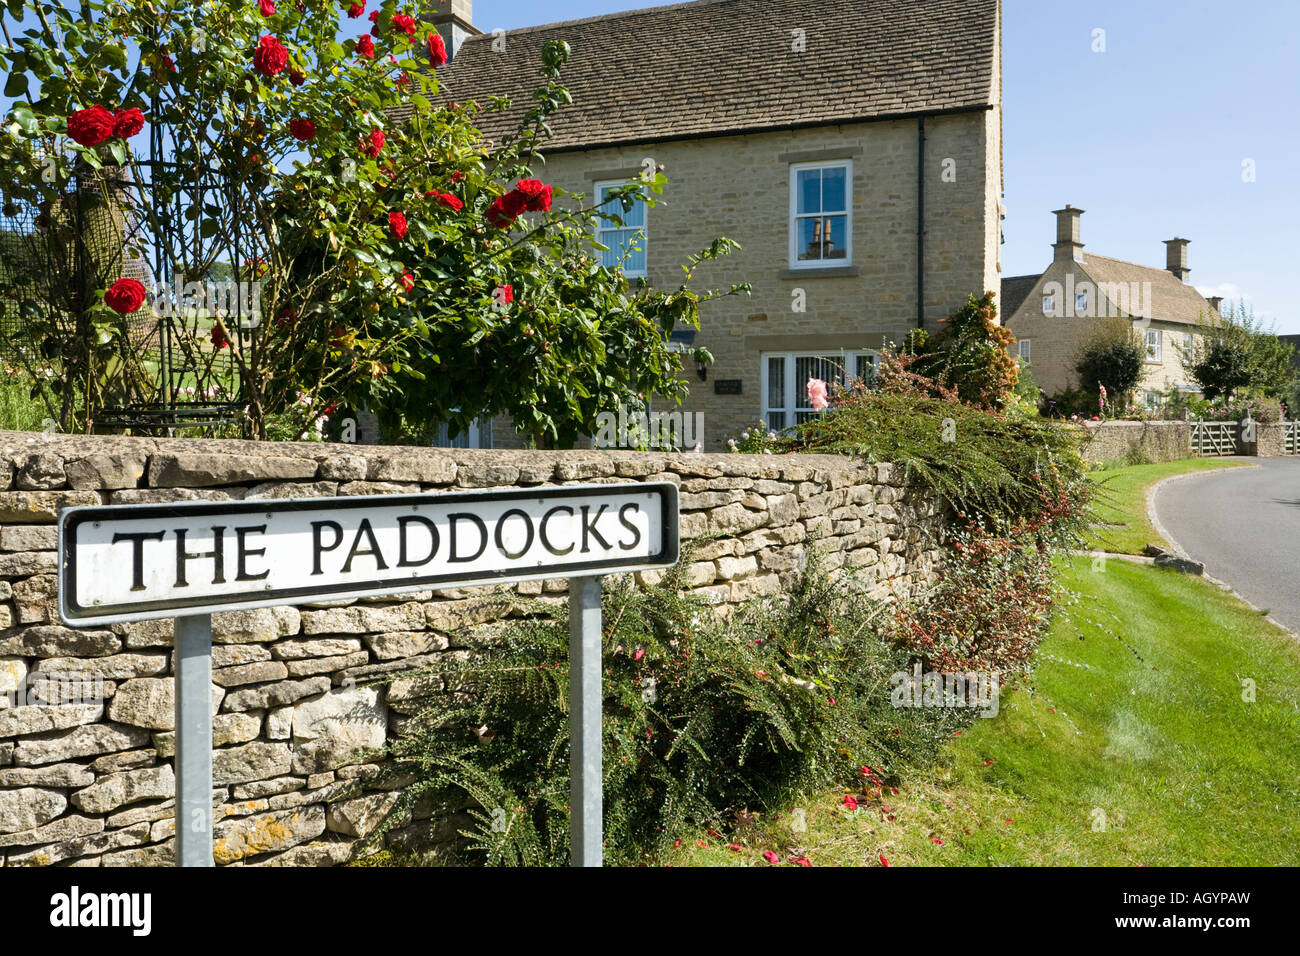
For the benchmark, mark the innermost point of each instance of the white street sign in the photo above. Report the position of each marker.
(136, 562)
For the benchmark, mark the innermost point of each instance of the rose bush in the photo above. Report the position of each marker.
(308, 143)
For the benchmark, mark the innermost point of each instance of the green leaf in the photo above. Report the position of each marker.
(118, 149)
(25, 118)
(16, 85)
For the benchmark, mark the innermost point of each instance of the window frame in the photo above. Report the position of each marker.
(481, 428)
(1023, 349)
(596, 187)
(1157, 357)
(1049, 305)
(794, 216)
(792, 389)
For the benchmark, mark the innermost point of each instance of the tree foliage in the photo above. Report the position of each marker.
(969, 354)
(1240, 353)
(1111, 358)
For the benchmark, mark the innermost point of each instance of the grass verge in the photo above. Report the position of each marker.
(1134, 745)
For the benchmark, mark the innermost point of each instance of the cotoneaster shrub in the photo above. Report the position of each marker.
(703, 718)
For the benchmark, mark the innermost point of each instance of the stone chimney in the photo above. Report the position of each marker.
(1215, 301)
(1176, 258)
(1067, 245)
(454, 20)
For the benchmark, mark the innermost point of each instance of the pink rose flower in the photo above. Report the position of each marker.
(817, 394)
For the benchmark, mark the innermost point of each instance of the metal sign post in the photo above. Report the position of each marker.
(194, 740)
(120, 563)
(586, 821)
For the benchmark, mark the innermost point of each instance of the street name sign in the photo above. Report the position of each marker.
(120, 563)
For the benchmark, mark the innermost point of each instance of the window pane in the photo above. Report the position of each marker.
(776, 382)
(776, 421)
(822, 237)
(634, 216)
(833, 189)
(835, 236)
(809, 190)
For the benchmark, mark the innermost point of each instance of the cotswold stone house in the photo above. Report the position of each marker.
(1055, 313)
(852, 147)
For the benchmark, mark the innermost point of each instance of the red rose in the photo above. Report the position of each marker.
(437, 49)
(92, 126)
(405, 23)
(366, 46)
(357, 9)
(408, 281)
(218, 338)
(447, 199)
(266, 8)
(169, 62)
(372, 146)
(302, 129)
(270, 57)
(297, 77)
(126, 123)
(536, 193)
(506, 209)
(397, 222)
(457, 176)
(124, 296)
(506, 295)
(850, 802)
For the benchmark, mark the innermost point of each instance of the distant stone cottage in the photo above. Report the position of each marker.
(1056, 311)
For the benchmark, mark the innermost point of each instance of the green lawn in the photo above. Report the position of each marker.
(1120, 506)
(1133, 746)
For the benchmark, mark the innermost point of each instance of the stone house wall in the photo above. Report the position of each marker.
(302, 695)
(739, 187)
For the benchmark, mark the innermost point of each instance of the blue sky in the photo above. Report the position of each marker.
(1148, 137)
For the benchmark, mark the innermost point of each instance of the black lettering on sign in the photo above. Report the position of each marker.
(589, 527)
(403, 559)
(318, 547)
(500, 535)
(137, 539)
(636, 532)
(244, 552)
(546, 540)
(217, 554)
(373, 551)
(451, 533)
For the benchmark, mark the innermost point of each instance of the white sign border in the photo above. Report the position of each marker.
(69, 518)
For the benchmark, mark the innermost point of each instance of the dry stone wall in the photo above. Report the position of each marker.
(303, 696)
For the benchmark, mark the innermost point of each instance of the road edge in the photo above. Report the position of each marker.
(1182, 553)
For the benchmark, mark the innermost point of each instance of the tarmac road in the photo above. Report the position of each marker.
(1243, 524)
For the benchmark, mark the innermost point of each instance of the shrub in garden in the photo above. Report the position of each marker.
(703, 718)
(1112, 358)
(969, 355)
(1002, 471)
(990, 609)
